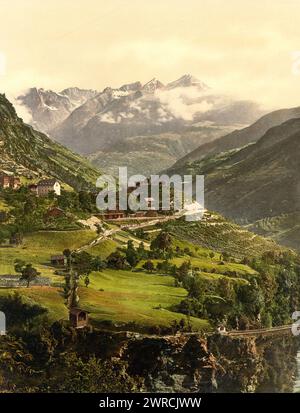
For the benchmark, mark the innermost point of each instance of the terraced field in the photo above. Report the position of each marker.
(218, 234)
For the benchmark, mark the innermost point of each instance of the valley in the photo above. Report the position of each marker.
(256, 184)
(143, 126)
(142, 281)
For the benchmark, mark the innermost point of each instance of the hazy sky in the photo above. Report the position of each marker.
(244, 47)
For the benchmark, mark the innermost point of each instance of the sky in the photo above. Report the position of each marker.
(246, 48)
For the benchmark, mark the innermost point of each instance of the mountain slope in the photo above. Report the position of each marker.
(239, 138)
(217, 233)
(87, 121)
(257, 185)
(264, 184)
(150, 154)
(48, 108)
(31, 153)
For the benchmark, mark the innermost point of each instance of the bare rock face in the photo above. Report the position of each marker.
(88, 122)
(48, 108)
(213, 364)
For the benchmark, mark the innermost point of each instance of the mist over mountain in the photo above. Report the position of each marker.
(256, 185)
(48, 108)
(109, 123)
(241, 137)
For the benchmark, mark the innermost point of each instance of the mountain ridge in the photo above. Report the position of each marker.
(30, 153)
(135, 109)
(242, 137)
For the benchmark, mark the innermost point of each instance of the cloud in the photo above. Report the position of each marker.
(22, 111)
(184, 102)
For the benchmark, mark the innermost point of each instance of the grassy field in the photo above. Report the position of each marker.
(47, 297)
(120, 297)
(37, 249)
(209, 265)
(39, 246)
(104, 248)
(126, 296)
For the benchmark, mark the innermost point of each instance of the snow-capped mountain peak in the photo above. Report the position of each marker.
(152, 86)
(48, 108)
(133, 109)
(187, 81)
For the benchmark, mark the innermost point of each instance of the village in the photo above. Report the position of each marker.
(51, 211)
(47, 186)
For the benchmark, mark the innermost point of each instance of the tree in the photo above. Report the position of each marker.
(29, 205)
(183, 270)
(164, 267)
(140, 233)
(18, 311)
(117, 261)
(86, 201)
(225, 256)
(148, 266)
(67, 288)
(98, 264)
(86, 281)
(162, 242)
(178, 250)
(196, 287)
(2, 239)
(187, 251)
(73, 300)
(142, 253)
(28, 273)
(3, 216)
(73, 374)
(131, 254)
(67, 253)
(82, 262)
(16, 238)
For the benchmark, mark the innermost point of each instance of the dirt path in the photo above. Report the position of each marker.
(109, 232)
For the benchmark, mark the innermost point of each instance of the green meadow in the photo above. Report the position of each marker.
(130, 296)
(38, 247)
(116, 296)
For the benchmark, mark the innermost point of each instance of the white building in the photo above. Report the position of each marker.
(46, 186)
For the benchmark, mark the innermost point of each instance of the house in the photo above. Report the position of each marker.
(113, 215)
(58, 260)
(9, 181)
(54, 212)
(78, 318)
(45, 186)
(4, 181)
